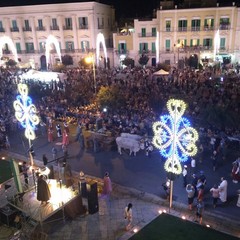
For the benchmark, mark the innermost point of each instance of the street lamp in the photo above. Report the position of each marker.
(175, 138)
(91, 59)
(178, 45)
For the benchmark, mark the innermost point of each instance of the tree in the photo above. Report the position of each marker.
(11, 63)
(128, 62)
(111, 97)
(143, 60)
(67, 60)
(82, 63)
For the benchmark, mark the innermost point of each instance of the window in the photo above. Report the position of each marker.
(207, 43)
(100, 23)
(68, 24)
(222, 43)
(194, 42)
(154, 32)
(54, 24)
(182, 25)
(1, 27)
(167, 44)
(18, 47)
(69, 46)
(42, 46)
(143, 32)
(26, 25)
(196, 25)
(83, 22)
(29, 47)
(84, 46)
(224, 23)
(153, 47)
(40, 25)
(208, 24)
(143, 47)
(14, 26)
(168, 26)
(122, 48)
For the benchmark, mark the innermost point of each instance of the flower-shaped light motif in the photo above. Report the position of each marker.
(26, 112)
(175, 137)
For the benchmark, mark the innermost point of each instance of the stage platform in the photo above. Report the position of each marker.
(62, 200)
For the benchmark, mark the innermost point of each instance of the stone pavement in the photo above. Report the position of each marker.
(109, 222)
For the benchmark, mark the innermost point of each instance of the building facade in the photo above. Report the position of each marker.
(174, 35)
(74, 27)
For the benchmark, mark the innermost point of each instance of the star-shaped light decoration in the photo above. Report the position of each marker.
(175, 137)
(26, 112)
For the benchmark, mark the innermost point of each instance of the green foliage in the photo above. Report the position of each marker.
(110, 97)
(67, 60)
(128, 62)
(11, 63)
(143, 60)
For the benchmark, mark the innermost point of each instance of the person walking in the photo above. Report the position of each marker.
(199, 213)
(184, 173)
(107, 186)
(215, 194)
(128, 215)
(223, 190)
(59, 130)
(45, 160)
(54, 153)
(193, 165)
(191, 193)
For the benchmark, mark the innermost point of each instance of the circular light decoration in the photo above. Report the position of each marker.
(175, 137)
(26, 112)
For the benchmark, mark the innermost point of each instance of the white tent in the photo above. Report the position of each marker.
(161, 72)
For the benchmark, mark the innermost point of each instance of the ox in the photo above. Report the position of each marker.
(128, 142)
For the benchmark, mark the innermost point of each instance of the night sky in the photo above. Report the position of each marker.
(124, 8)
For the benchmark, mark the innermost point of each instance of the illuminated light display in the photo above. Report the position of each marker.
(174, 136)
(26, 112)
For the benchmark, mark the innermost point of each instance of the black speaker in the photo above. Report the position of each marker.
(92, 195)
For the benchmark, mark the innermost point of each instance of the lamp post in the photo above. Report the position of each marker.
(91, 59)
(175, 138)
(178, 45)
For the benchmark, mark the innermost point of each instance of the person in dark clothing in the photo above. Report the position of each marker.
(43, 192)
(45, 160)
(25, 172)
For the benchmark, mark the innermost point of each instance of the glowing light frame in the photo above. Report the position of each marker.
(174, 136)
(26, 112)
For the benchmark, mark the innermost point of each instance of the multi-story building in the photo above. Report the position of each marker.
(74, 26)
(175, 34)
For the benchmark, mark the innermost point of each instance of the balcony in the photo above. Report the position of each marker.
(121, 51)
(30, 51)
(147, 35)
(40, 28)
(2, 30)
(207, 28)
(27, 29)
(54, 28)
(182, 29)
(67, 28)
(143, 51)
(224, 27)
(14, 29)
(101, 26)
(168, 29)
(195, 29)
(83, 26)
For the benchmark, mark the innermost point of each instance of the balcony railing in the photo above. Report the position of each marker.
(82, 26)
(182, 29)
(224, 27)
(195, 29)
(101, 26)
(56, 28)
(40, 28)
(168, 29)
(27, 29)
(67, 27)
(2, 30)
(14, 29)
(147, 35)
(207, 28)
